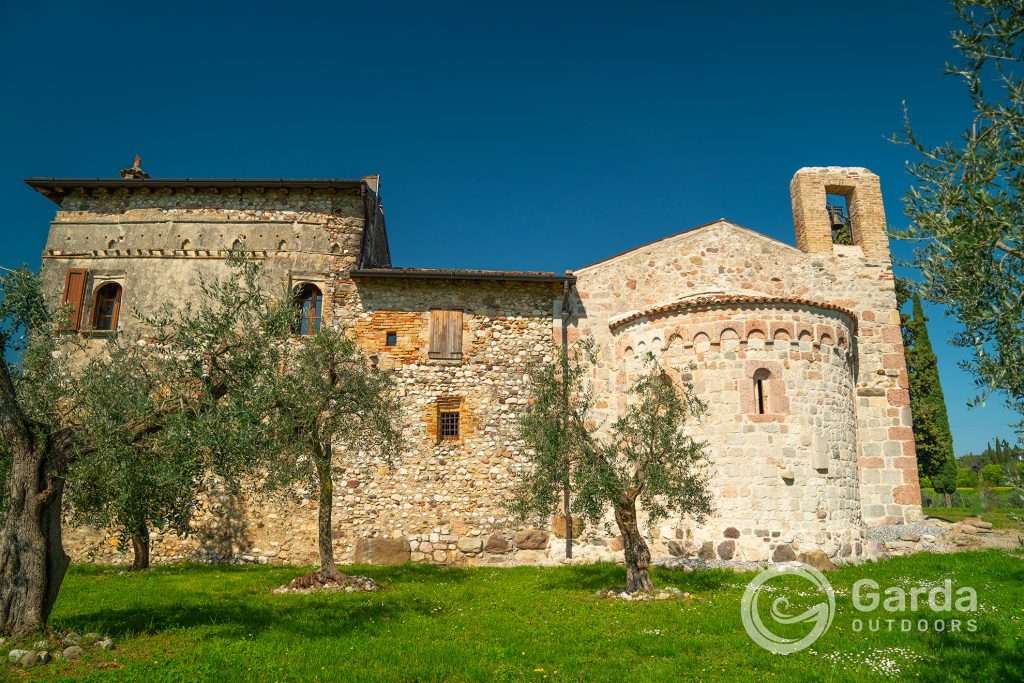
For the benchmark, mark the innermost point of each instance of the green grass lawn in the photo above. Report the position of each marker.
(187, 623)
(1000, 519)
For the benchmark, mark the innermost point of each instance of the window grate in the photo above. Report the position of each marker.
(449, 425)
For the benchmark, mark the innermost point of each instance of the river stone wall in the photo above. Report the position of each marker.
(832, 455)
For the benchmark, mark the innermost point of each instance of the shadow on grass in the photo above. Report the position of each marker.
(604, 575)
(274, 575)
(974, 656)
(250, 607)
(310, 616)
(410, 573)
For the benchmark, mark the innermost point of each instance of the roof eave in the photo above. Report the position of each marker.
(55, 189)
(459, 275)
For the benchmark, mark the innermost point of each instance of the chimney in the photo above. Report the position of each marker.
(135, 172)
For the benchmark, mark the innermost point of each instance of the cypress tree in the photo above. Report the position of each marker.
(935, 456)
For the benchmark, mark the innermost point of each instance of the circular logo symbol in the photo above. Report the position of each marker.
(819, 616)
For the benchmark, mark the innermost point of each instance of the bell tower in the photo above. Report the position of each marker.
(815, 219)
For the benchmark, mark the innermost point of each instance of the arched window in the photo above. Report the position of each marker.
(107, 306)
(309, 301)
(761, 391)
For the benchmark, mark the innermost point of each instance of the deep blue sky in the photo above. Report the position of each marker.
(535, 136)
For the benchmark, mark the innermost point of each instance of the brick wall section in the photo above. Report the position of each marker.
(412, 331)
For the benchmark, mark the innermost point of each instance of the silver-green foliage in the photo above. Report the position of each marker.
(330, 405)
(554, 427)
(188, 397)
(966, 206)
(648, 455)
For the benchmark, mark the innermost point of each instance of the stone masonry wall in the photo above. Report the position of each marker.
(159, 245)
(441, 501)
(722, 258)
(833, 452)
(784, 481)
(448, 497)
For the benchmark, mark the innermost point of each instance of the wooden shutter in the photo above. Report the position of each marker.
(438, 335)
(445, 334)
(454, 331)
(74, 296)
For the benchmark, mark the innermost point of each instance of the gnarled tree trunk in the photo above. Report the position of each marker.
(140, 546)
(32, 557)
(324, 532)
(637, 555)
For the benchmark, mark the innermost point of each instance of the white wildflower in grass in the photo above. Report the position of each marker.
(887, 662)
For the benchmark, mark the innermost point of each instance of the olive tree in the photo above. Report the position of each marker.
(553, 427)
(330, 403)
(199, 388)
(36, 396)
(646, 459)
(126, 481)
(965, 206)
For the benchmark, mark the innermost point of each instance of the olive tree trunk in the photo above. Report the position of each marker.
(328, 569)
(637, 555)
(140, 546)
(32, 557)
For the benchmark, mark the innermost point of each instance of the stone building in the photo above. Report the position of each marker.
(796, 350)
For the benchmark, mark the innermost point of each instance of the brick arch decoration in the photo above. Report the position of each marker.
(791, 320)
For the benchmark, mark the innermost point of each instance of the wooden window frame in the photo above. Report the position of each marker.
(390, 339)
(115, 314)
(446, 334)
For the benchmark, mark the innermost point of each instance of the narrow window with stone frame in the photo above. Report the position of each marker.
(761, 391)
(448, 419)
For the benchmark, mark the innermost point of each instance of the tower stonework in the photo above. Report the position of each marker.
(796, 350)
(863, 192)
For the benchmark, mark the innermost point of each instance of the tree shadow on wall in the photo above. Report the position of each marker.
(225, 534)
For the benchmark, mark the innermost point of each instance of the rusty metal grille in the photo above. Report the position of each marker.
(449, 425)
